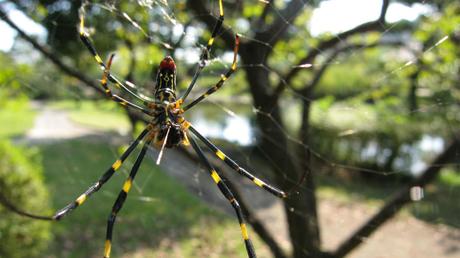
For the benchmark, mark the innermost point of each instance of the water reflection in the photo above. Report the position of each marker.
(233, 128)
(426, 149)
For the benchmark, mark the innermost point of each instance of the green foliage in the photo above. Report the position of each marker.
(36, 78)
(15, 113)
(348, 78)
(22, 184)
(13, 77)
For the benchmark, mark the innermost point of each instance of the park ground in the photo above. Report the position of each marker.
(177, 212)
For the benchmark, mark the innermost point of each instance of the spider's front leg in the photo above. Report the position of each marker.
(205, 54)
(222, 80)
(92, 49)
(115, 97)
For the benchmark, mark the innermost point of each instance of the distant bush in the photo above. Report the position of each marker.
(21, 183)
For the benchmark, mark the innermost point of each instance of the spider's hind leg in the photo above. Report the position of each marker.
(228, 195)
(232, 164)
(121, 199)
(102, 180)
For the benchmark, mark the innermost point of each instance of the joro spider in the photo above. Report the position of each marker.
(166, 129)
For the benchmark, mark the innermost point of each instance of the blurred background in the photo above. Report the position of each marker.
(353, 106)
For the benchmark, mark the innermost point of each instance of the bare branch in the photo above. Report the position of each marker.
(383, 11)
(285, 18)
(401, 198)
(10, 206)
(308, 89)
(377, 25)
(50, 55)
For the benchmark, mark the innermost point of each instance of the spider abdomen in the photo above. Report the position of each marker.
(175, 135)
(167, 126)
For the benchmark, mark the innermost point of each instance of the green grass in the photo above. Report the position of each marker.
(16, 118)
(159, 216)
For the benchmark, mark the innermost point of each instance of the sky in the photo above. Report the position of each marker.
(350, 13)
(346, 14)
(8, 34)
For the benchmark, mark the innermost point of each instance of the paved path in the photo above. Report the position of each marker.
(55, 124)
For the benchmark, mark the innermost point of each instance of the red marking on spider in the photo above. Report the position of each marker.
(168, 63)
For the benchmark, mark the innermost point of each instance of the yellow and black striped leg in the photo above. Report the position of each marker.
(205, 54)
(121, 199)
(114, 97)
(236, 167)
(229, 195)
(102, 180)
(87, 42)
(222, 79)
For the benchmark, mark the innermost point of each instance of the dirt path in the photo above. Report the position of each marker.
(401, 237)
(404, 236)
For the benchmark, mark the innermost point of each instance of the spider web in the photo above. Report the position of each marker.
(221, 120)
(211, 129)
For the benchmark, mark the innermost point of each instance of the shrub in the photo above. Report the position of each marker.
(21, 184)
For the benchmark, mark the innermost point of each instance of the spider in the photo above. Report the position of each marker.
(167, 128)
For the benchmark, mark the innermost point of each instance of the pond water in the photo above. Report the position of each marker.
(234, 124)
(223, 123)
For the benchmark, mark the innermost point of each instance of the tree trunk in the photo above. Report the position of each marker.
(300, 208)
(307, 194)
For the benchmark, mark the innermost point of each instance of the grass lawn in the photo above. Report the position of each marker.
(159, 219)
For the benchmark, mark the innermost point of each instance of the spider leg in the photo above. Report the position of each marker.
(236, 167)
(115, 97)
(222, 79)
(204, 56)
(92, 49)
(102, 180)
(121, 199)
(228, 195)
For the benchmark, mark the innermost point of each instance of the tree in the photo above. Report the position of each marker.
(278, 30)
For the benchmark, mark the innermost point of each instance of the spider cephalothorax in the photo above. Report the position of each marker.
(165, 88)
(167, 128)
